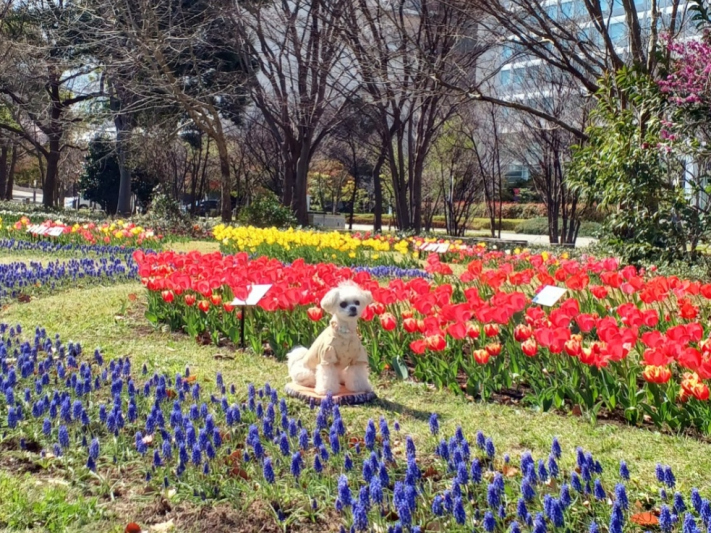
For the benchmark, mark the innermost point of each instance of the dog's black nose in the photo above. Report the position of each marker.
(353, 311)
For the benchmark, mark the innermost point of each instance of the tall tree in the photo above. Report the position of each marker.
(401, 51)
(47, 79)
(187, 54)
(298, 52)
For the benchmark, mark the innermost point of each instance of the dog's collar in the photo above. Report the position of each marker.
(340, 328)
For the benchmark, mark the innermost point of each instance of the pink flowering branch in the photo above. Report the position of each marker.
(689, 81)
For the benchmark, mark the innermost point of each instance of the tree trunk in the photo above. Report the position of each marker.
(417, 195)
(3, 168)
(7, 194)
(301, 180)
(225, 181)
(50, 180)
(378, 192)
(123, 136)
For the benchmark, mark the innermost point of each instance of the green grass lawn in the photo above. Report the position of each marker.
(111, 317)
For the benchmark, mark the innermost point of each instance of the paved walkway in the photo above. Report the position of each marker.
(582, 242)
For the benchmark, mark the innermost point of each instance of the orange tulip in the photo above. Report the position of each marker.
(493, 348)
(692, 385)
(481, 356)
(656, 374)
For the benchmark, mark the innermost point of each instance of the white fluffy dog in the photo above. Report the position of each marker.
(337, 356)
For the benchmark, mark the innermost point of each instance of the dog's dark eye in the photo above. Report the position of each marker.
(357, 303)
(343, 305)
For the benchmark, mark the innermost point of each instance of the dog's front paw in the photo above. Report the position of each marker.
(367, 387)
(323, 391)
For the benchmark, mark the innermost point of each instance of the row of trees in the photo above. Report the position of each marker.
(407, 96)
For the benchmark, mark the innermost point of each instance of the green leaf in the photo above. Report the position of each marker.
(399, 367)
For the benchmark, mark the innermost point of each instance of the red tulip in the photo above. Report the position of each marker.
(189, 300)
(522, 333)
(216, 299)
(436, 343)
(598, 291)
(573, 347)
(228, 308)
(419, 346)
(472, 330)
(585, 322)
(409, 325)
(388, 322)
(204, 306)
(457, 330)
(491, 330)
(688, 311)
(368, 313)
(378, 308)
(167, 296)
(315, 313)
(529, 347)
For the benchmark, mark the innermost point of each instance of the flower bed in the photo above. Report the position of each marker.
(98, 264)
(195, 436)
(339, 247)
(622, 340)
(110, 233)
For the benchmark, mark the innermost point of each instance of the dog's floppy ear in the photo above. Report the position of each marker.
(329, 302)
(368, 297)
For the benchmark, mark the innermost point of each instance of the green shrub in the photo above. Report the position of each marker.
(507, 224)
(266, 211)
(539, 226)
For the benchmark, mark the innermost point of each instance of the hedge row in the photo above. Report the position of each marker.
(539, 226)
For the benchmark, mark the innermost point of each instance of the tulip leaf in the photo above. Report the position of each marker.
(400, 368)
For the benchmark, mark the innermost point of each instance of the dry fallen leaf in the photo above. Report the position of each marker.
(164, 526)
(239, 472)
(132, 296)
(646, 518)
(510, 471)
(430, 472)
